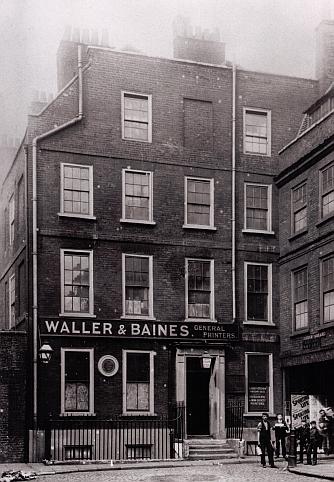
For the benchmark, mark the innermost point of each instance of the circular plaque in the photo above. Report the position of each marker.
(108, 365)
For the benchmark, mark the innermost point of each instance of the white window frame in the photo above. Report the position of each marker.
(124, 219)
(294, 211)
(322, 194)
(11, 301)
(124, 93)
(269, 207)
(62, 212)
(11, 219)
(270, 294)
(150, 315)
(271, 383)
(91, 280)
(210, 226)
(268, 114)
(295, 302)
(212, 287)
(124, 381)
(91, 381)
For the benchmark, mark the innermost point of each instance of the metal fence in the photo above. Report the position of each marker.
(234, 419)
(116, 439)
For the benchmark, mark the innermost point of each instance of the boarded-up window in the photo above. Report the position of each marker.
(138, 382)
(198, 124)
(77, 381)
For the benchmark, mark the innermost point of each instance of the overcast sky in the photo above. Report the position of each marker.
(268, 35)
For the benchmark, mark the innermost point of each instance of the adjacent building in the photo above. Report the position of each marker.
(140, 235)
(306, 207)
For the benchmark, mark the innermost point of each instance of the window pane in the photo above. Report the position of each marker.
(77, 381)
(136, 117)
(76, 190)
(329, 306)
(301, 315)
(199, 289)
(256, 132)
(137, 196)
(257, 292)
(198, 202)
(138, 381)
(76, 283)
(258, 383)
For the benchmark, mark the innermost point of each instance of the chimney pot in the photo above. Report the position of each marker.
(76, 35)
(85, 36)
(105, 38)
(67, 32)
(95, 37)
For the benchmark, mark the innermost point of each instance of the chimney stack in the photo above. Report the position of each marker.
(325, 54)
(200, 46)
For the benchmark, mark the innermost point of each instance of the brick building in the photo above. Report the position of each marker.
(144, 247)
(306, 193)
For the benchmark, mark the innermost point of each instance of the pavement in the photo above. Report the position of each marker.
(323, 470)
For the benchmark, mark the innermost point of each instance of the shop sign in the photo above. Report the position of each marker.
(313, 341)
(257, 398)
(139, 329)
(300, 409)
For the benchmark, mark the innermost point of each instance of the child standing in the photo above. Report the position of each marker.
(303, 435)
(312, 450)
(281, 430)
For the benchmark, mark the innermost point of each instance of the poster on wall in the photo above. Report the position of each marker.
(300, 409)
(258, 398)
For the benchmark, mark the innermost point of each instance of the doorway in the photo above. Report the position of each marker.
(197, 397)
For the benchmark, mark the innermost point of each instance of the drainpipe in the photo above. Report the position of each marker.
(35, 141)
(234, 76)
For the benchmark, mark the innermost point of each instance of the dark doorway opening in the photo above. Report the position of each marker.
(198, 409)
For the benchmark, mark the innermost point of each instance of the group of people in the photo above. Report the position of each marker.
(310, 436)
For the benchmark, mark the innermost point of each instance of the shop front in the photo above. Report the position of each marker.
(116, 390)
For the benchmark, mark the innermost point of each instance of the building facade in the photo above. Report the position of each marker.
(306, 257)
(150, 239)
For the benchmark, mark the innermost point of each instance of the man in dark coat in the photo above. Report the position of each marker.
(303, 435)
(312, 449)
(264, 440)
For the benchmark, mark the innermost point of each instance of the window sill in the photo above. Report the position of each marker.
(326, 324)
(258, 414)
(78, 216)
(256, 154)
(136, 140)
(200, 320)
(138, 317)
(137, 221)
(297, 333)
(296, 235)
(77, 414)
(257, 231)
(322, 221)
(78, 315)
(199, 226)
(260, 323)
(134, 414)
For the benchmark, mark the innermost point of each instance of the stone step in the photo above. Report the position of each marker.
(206, 441)
(209, 447)
(216, 450)
(212, 456)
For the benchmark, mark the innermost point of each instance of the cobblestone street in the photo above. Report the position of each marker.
(213, 473)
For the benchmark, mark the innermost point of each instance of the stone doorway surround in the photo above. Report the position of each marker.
(217, 384)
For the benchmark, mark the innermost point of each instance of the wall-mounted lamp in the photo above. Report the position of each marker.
(206, 360)
(45, 353)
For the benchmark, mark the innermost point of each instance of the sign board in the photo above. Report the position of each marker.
(216, 332)
(258, 398)
(300, 409)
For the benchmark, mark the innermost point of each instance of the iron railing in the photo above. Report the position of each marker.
(119, 438)
(234, 419)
